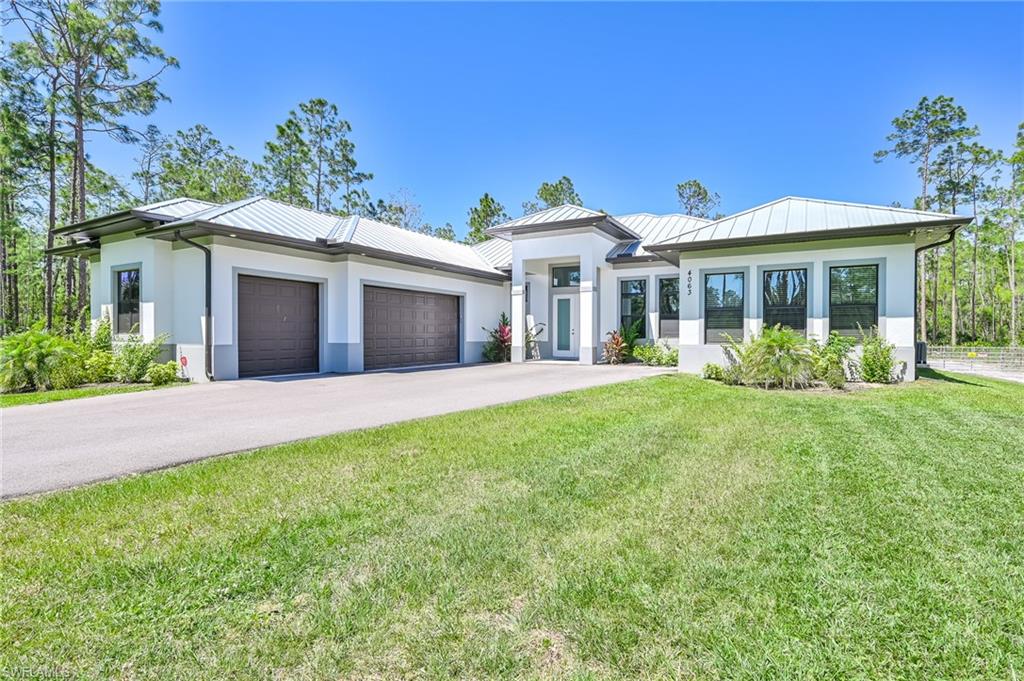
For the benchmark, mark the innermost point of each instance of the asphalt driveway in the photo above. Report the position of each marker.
(51, 446)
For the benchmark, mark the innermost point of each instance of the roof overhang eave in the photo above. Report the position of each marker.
(802, 237)
(85, 225)
(626, 259)
(83, 248)
(201, 228)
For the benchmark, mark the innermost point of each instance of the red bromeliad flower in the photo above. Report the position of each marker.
(505, 334)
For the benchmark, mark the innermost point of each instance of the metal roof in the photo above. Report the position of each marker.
(652, 229)
(174, 208)
(112, 223)
(497, 252)
(790, 218)
(357, 234)
(563, 217)
(371, 234)
(565, 213)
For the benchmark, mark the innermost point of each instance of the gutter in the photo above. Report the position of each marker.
(208, 336)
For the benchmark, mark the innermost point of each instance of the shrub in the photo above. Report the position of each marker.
(876, 360)
(778, 358)
(70, 371)
(615, 348)
(648, 354)
(102, 337)
(100, 366)
(713, 372)
(498, 347)
(656, 354)
(162, 374)
(133, 357)
(28, 359)
(831, 359)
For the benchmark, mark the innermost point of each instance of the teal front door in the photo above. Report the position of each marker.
(566, 322)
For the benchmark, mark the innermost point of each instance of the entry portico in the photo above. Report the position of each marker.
(558, 259)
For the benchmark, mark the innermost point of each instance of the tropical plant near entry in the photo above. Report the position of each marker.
(630, 335)
(615, 349)
(530, 345)
(498, 347)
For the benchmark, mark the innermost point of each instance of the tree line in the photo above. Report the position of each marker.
(968, 290)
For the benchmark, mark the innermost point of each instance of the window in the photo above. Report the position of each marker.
(526, 297)
(668, 307)
(127, 300)
(853, 299)
(562, 277)
(723, 307)
(633, 304)
(785, 299)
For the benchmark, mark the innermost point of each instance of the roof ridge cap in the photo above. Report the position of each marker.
(857, 204)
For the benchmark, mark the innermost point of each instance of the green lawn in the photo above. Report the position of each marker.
(18, 399)
(667, 527)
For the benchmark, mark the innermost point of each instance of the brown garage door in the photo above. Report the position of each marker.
(278, 326)
(408, 328)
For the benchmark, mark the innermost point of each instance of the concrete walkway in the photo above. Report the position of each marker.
(63, 444)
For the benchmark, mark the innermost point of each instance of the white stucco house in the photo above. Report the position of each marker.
(261, 288)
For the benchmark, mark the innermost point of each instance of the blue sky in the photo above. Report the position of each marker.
(453, 100)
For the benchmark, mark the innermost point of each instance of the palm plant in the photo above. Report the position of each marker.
(778, 358)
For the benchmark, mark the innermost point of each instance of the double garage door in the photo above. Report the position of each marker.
(279, 327)
(408, 328)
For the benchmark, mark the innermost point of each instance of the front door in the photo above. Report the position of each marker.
(566, 321)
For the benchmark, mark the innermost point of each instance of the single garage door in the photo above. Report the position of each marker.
(408, 328)
(278, 326)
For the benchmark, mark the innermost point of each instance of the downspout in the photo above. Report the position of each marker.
(208, 336)
(917, 261)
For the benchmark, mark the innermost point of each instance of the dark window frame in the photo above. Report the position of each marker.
(661, 307)
(631, 295)
(569, 270)
(709, 329)
(134, 317)
(765, 306)
(853, 332)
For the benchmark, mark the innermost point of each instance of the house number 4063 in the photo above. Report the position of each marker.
(689, 282)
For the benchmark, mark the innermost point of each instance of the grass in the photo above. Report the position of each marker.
(668, 527)
(41, 397)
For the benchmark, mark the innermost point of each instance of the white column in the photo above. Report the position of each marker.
(518, 310)
(589, 313)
